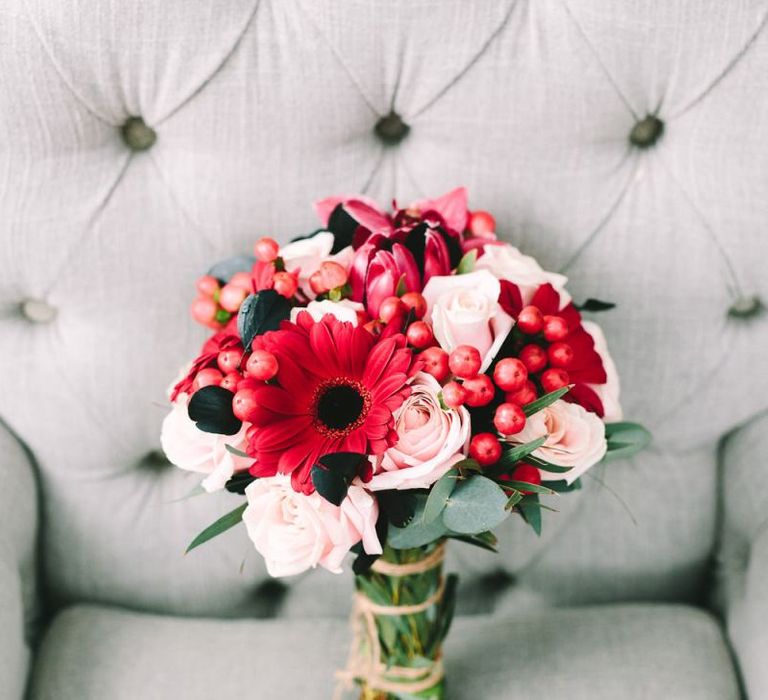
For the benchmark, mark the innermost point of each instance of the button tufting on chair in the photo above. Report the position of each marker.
(38, 311)
(646, 132)
(391, 129)
(137, 135)
(746, 307)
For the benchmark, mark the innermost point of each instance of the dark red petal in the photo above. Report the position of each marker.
(510, 298)
(546, 299)
(586, 397)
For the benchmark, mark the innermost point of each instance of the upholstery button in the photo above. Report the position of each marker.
(646, 132)
(746, 307)
(137, 135)
(391, 129)
(38, 311)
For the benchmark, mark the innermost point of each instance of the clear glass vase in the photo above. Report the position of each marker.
(402, 613)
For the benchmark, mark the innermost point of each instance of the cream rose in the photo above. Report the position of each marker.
(575, 438)
(608, 392)
(295, 532)
(306, 256)
(464, 310)
(430, 440)
(195, 450)
(344, 310)
(507, 263)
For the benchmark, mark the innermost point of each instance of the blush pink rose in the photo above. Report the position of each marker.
(430, 440)
(295, 532)
(608, 393)
(464, 310)
(575, 438)
(197, 451)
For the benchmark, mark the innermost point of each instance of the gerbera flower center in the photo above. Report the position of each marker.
(340, 406)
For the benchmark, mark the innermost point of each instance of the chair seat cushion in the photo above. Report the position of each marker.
(610, 651)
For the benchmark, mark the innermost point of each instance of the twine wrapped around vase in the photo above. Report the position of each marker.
(366, 664)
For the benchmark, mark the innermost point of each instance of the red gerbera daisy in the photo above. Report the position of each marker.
(335, 391)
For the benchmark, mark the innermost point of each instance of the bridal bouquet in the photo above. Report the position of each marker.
(383, 385)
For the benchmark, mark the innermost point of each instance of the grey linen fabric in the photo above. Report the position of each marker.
(258, 108)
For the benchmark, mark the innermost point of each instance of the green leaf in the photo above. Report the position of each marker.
(439, 494)
(401, 287)
(514, 498)
(334, 473)
(476, 505)
(543, 401)
(562, 486)
(512, 456)
(525, 486)
(417, 533)
(529, 509)
(397, 505)
(224, 523)
(479, 541)
(211, 410)
(547, 466)
(236, 452)
(261, 312)
(468, 465)
(596, 305)
(625, 439)
(467, 263)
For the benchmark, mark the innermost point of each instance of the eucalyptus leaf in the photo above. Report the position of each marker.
(476, 505)
(224, 523)
(226, 269)
(467, 263)
(261, 312)
(547, 400)
(439, 494)
(417, 533)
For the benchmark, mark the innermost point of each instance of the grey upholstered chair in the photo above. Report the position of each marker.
(624, 142)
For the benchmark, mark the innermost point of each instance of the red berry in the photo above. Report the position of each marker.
(415, 301)
(261, 365)
(553, 379)
(333, 274)
(266, 249)
(530, 320)
(207, 377)
(509, 419)
(465, 361)
(231, 381)
(285, 284)
(534, 358)
(555, 328)
(242, 280)
(231, 297)
(454, 395)
(316, 282)
(480, 390)
(510, 374)
(204, 310)
(419, 334)
(207, 285)
(229, 360)
(390, 308)
(244, 403)
(481, 223)
(435, 363)
(523, 396)
(560, 354)
(485, 448)
(527, 473)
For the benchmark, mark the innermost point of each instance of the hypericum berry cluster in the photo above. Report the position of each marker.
(218, 302)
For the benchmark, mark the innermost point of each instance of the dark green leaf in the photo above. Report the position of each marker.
(398, 506)
(562, 486)
(343, 228)
(467, 263)
(476, 505)
(547, 466)
(416, 533)
(543, 401)
(512, 456)
(529, 509)
(401, 287)
(477, 541)
(596, 305)
(525, 486)
(239, 482)
(211, 409)
(625, 439)
(514, 498)
(439, 494)
(260, 313)
(226, 269)
(334, 473)
(224, 523)
(236, 452)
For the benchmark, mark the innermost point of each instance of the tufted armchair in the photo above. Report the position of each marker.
(623, 143)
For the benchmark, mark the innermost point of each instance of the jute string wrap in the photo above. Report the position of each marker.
(370, 668)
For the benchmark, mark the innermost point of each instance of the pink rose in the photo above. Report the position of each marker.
(430, 440)
(295, 532)
(464, 310)
(608, 393)
(575, 438)
(507, 263)
(198, 451)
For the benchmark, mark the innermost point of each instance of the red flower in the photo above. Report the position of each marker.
(335, 391)
(587, 365)
(223, 340)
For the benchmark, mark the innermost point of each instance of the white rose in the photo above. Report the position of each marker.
(306, 256)
(507, 263)
(464, 310)
(344, 310)
(608, 392)
(430, 440)
(195, 450)
(295, 532)
(575, 438)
